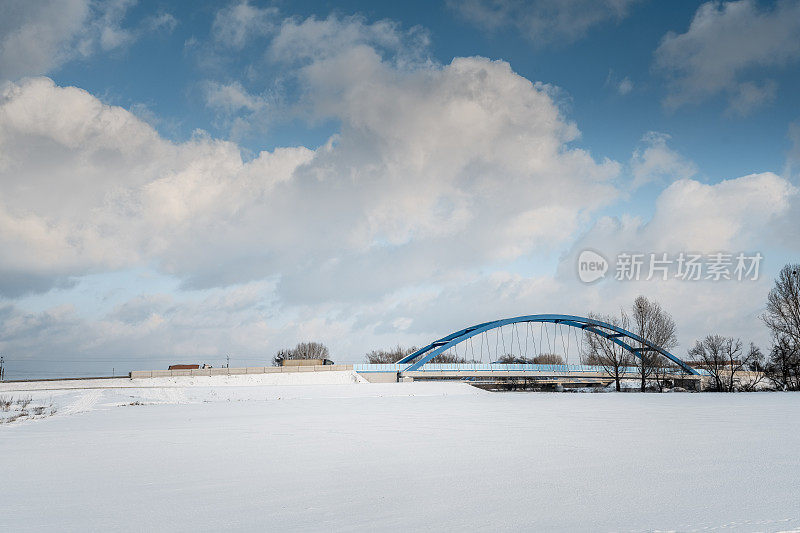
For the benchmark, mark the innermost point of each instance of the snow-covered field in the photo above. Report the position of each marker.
(185, 455)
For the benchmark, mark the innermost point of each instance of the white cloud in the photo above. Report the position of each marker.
(252, 319)
(88, 187)
(235, 24)
(232, 98)
(240, 111)
(793, 157)
(622, 86)
(161, 21)
(656, 161)
(725, 43)
(543, 21)
(457, 157)
(625, 86)
(38, 37)
(743, 214)
(314, 39)
(690, 216)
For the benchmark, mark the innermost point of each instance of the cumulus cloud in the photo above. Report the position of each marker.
(235, 24)
(313, 39)
(429, 157)
(735, 215)
(231, 98)
(726, 45)
(110, 192)
(654, 161)
(38, 37)
(253, 319)
(690, 216)
(543, 21)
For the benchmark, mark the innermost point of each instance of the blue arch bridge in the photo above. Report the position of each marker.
(477, 353)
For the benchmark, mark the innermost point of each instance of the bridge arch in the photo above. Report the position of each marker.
(619, 336)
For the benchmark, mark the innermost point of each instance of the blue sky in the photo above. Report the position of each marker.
(193, 179)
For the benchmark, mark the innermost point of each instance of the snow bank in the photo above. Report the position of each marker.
(80, 396)
(290, 378)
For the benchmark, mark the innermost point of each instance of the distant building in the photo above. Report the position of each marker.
(184, 367)
(721, 364)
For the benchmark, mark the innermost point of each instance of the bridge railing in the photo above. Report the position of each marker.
(497, 367)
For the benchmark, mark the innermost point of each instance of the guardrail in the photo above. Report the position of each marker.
(498, 367)
(137, 374)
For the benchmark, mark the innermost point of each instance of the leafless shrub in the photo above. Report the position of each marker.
(448, 358)
(24, 402)
(12, 418)
(303, 350)
(541, 359)
(5, 403)
(389, 356)
(397, 353)
(548, 359)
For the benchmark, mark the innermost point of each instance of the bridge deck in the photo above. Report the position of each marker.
(516, 370)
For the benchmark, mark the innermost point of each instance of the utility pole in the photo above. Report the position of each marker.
(228, 357)
(2, 369)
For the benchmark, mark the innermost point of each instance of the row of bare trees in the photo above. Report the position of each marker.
(303, 350)
(541, 359)
(398, 352)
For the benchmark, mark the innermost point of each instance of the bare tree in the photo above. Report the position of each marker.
(724, 358)
(303, 350)
(548, 359)
(783, 366)
(450, 358)
(604, 352)
(389, 356)
(662, 369)
(397, 353)
(541, 359)
(652, 323)
(782, 314)
(756, 368)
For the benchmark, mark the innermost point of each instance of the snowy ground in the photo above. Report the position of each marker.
(407, 456)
